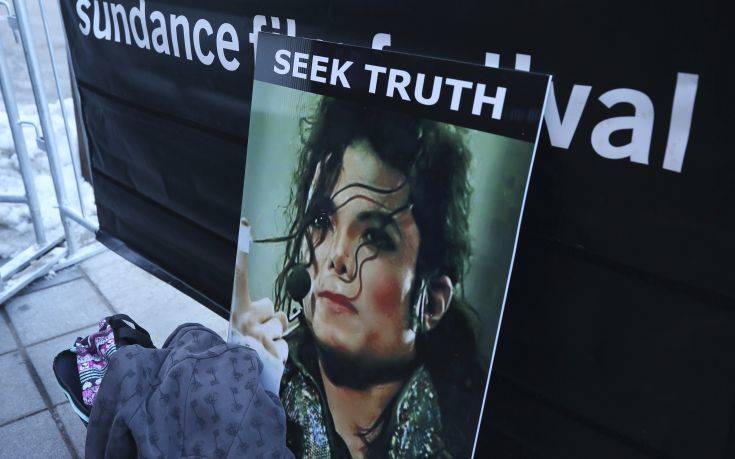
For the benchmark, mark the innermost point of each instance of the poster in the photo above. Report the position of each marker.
(382, 200)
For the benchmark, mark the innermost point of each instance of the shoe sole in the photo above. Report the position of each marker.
(82, 416)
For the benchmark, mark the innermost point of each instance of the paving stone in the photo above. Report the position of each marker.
(152, 303)
(18, 396)
(74, 427)
(33, 437)
(42, 356)
(7, 343)
(55, 311)
(50, 280)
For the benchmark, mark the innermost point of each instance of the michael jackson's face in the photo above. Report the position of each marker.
(365, 264)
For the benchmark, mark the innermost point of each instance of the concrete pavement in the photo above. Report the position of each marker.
(45, 318)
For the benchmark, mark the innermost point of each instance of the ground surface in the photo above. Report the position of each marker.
(35, 418)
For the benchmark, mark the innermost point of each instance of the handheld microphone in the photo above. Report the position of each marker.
(298, 284)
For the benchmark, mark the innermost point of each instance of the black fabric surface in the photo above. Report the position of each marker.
(617, 338)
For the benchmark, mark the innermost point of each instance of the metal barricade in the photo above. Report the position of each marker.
(45, 255)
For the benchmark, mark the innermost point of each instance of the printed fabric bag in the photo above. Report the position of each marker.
(80, 369)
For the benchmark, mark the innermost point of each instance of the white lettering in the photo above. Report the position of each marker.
(230, 44)
(258, 23)
(418, 92)
(458, 86)
(492, 60)
(139, 13)
(374, 70)
(99, 33)
(381, 40)
(398, 80)
(285, 65)
(496, 101)
(85, 25)
(561, 131)
(640, 124)
(299, 62)
(134, 25)
(159, 36)
(523, 62)
(202, 24)
(681, 120)
(316, 67)
(118, 12)
(182, 21)
(338, 72)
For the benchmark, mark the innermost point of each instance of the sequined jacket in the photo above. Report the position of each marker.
(413, 429)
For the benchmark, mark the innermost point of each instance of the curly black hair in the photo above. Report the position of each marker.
(432, 156)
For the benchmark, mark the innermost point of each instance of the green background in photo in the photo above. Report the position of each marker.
(499, 173)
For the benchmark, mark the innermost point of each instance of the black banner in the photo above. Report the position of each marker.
(618, 338)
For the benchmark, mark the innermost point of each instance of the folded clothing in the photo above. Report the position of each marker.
(197, 396)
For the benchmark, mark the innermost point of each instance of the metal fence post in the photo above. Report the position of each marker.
(74, 159)
(45, 117)
(26, 170)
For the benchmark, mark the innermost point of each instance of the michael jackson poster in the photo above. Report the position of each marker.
(382, 199)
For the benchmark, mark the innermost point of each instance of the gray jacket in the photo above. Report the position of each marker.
(195, 397)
